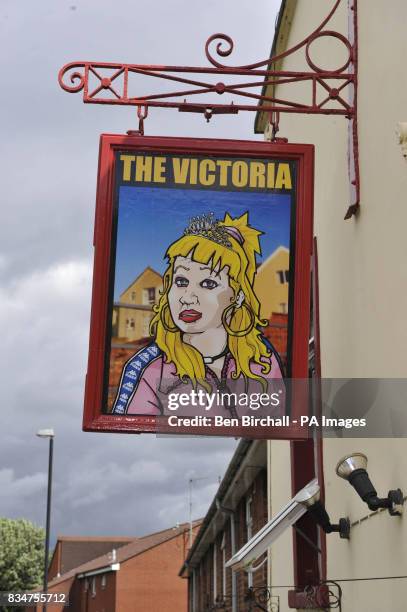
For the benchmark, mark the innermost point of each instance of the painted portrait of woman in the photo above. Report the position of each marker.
(206, 328)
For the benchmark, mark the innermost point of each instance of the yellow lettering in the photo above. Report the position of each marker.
(143, 169)
(193, 175)
(283, 178)
(270, 175)
(240, 174)
(180, 167)
(257, 174)
(206, 166)
(223, 164)
(159, 169)
(127, 161)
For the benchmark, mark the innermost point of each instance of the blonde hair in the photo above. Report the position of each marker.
(241, 261)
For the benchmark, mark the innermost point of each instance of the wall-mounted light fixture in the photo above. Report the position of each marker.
(312, 501)
(306, 500)
(353, 469)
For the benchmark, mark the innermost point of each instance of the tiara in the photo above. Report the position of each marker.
(207, 226)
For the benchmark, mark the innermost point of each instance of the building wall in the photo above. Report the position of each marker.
(281, 570)
(206, 598)
(150, 581)
(271, 290)
(82, 596)
(55, 565)
(277, 333)
(362, 296)
(71, 552)
(64, 587)
(95, 594)
(132, 323)
(362, 288)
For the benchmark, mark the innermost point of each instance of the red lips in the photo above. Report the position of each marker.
(189, 316)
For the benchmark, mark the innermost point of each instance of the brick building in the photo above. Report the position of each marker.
(271, 283)
(237, 512)
(135, 577)
(277, 333)
(72, 551)
(133, 313)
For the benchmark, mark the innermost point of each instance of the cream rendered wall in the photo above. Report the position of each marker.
(280, 565)
(363, 286)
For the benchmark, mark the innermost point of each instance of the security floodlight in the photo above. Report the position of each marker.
(310, 497)
(45, 433)
(306, 500)
(353, 469)
(351, 463)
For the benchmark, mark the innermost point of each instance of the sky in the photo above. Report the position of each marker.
(112, 484)
(151, 218)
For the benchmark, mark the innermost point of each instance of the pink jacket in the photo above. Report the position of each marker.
(150, 386)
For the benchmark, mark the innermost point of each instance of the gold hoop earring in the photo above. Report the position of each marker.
(163, 323)
(241, 332)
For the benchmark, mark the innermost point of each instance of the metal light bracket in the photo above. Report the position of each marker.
(352, 468)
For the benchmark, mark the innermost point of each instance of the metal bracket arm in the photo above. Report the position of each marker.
(329, 92)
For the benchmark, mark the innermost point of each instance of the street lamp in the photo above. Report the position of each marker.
(353, 469)
(47, 433)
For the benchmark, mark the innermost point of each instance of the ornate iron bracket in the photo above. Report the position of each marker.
(112, 83)
(326, 596)
(260, 598)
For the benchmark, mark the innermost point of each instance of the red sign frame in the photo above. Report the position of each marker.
(94, 419)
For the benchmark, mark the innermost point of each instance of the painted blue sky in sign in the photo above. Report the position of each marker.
(151, 218)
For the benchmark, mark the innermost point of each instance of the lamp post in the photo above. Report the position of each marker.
(47, 433)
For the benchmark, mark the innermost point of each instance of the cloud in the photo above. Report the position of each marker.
(17, 492)
(103, 483)
(45, 318)
(108, 480)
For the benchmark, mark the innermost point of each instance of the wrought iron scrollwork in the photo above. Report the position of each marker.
(260, 598)
(327, 596)
(112, 83)
(108, 83)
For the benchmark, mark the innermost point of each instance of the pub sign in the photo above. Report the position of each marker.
(201, 291)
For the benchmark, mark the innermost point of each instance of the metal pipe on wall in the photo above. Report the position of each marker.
(234, 575)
